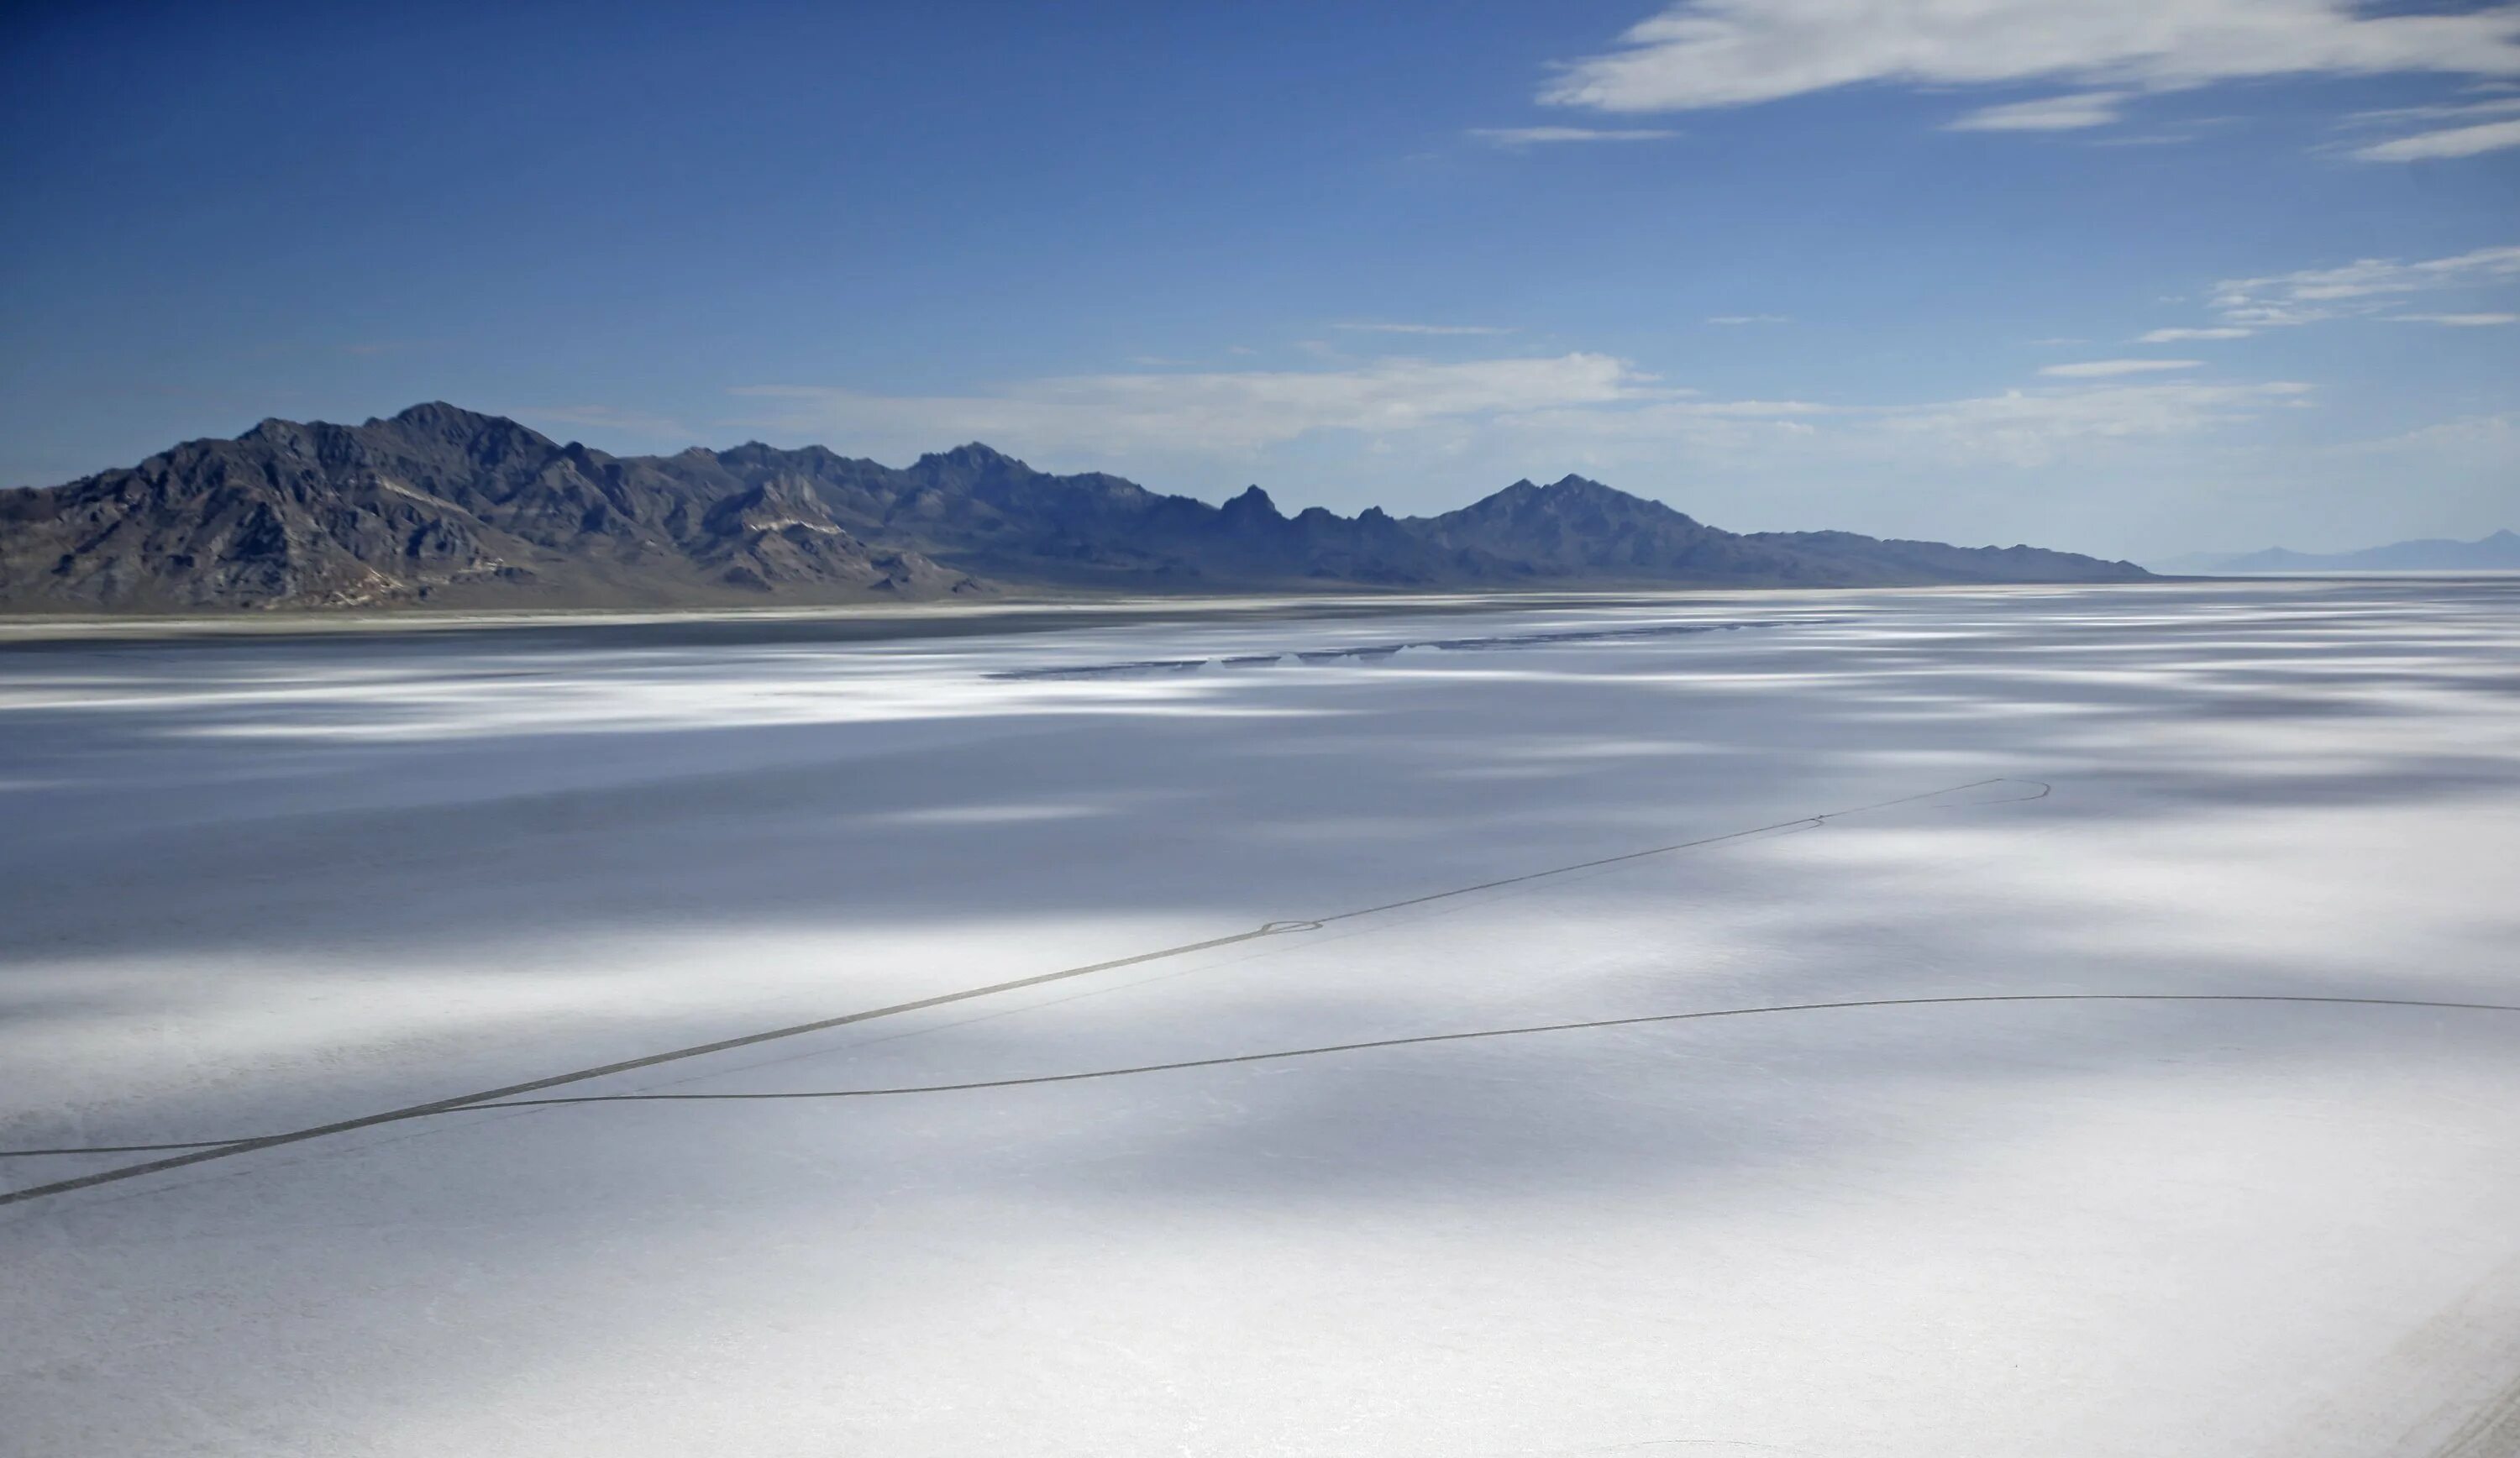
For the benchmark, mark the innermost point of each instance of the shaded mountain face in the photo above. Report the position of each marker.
(436, 505)
(444, 506)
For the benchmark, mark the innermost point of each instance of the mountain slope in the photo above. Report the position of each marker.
(434, 505)
(449, 508)
(2499, 553)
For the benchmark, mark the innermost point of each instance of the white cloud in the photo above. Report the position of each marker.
(1516, 137)
(2054, 114)
(2451, 142)
(2466, 321)
(2364, 286)
(1726, 53)
(1740, 319)
(1425, 328)
(2177, 336)
(2106, 369)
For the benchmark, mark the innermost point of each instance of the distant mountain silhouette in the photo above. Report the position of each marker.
(449, 508)
(2499, 553)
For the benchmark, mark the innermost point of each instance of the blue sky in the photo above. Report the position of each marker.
(1896, 268)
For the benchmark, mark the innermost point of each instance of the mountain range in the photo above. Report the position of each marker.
(2499, 553)
(445, 506)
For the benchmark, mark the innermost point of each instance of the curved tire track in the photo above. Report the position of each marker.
(200, 1151)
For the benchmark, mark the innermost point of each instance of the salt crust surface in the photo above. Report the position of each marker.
(250, 886)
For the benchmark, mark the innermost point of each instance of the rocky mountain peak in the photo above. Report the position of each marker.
(973, 455)
(445, 506)
(1254, 503)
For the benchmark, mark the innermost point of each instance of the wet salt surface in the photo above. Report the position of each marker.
(250, 887)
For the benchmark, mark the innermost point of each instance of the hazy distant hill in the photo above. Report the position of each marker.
(450, 507)
(2499, 553)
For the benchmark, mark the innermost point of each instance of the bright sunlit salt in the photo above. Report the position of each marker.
(254, 885)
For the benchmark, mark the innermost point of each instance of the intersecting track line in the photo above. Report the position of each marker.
(1413, 1040)
(198, 1152)
(1432, 1037)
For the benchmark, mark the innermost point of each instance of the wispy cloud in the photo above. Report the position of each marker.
(1369, 328)
(1516, 138)
(2367, 285)
(2450, 142)
(2054, 114)
(2500, 105)
(2457, 321)
(2023, 428)
(2036, 427)
(2489, 441)
(2107, 369)
(1572, 407)
(2179, 336)
(1239, 411)
(1701, 54)
(606, 418)
(1741, 318)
